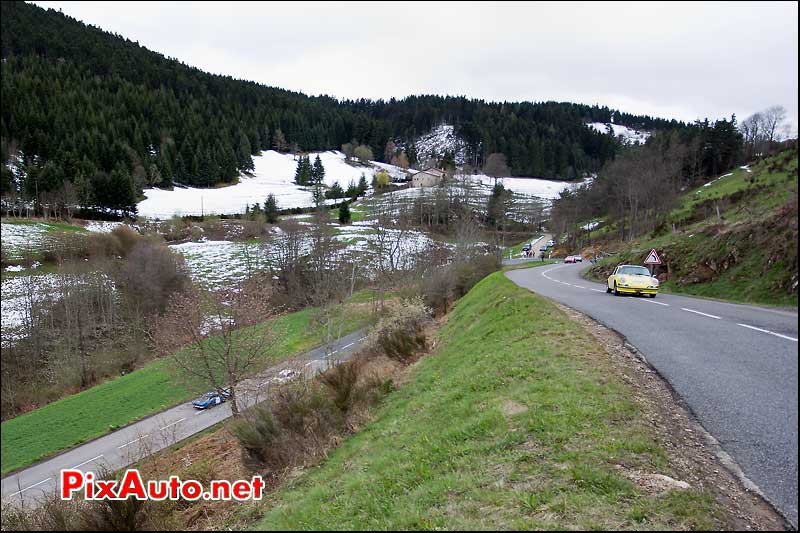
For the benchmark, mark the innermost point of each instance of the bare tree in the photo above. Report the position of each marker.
(761, 130)
(773, 119)
(386, 248)
(220, 337)
(496, 166)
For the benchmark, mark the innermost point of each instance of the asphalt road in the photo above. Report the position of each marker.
(536, 244)
(734, 365)
(130, 444)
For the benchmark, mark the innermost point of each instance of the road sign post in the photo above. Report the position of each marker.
(652, 260)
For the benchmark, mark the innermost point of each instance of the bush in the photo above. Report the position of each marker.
(401, 335)
(151, 275)
(259, 435)
(342, 383)
(446, 284)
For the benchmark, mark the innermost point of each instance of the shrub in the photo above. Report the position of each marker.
(401, 335)
(342, 383)
(151, 275)
(445, 284)
(259, 435)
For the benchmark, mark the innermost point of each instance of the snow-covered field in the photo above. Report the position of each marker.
(16, 238)
(627, 134)
(215, 264)
(273, 174)
(16, 294)
(530, 187)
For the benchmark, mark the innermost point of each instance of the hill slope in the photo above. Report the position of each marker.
(505, 426)
(109, 117)
(735, 237)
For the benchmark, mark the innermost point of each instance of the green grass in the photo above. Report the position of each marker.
(148, 390)
(50, 227)
(356, 214)
(515, 422)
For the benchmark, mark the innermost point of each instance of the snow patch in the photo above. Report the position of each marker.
(273, 174)
(626, 134)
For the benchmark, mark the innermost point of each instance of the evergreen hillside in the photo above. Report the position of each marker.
(98, 117)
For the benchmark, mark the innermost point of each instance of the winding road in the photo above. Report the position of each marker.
(734, 365)
(130, 444)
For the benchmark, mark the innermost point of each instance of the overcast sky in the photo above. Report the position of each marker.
(671, 59)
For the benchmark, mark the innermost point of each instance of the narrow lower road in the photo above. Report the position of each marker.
(132, 443)
(734, 365)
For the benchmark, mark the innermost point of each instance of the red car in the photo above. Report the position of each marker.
(569, 259)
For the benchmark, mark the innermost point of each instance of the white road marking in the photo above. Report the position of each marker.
(769, 332)
(135, 440)
(658, 303)
(87, 462)
(700, 313)
(349, 345)
(170, 425)
(597, 290)
(26, 488)
(580, 287)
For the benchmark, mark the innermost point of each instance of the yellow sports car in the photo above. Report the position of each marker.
(631, 279)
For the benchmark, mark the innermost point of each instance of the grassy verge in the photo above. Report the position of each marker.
(152, 388)
(516, 422)
(530, 264)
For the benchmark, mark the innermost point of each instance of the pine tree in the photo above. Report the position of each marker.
(318, 172)
(352, 190)
(335, 191)
(298, 172)
(411, 153)
(362, 185)
(344, 214)
(271, 209)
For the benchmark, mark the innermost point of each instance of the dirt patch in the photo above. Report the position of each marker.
(511, 408)
(692, 452)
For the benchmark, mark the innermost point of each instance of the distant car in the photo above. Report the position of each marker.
(210, 399)
(286, 375)
(578, 258)
(543, 249)
(551, 242)
(569, 259)
(632, 279)
(526, 248)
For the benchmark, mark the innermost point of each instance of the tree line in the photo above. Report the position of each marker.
(637, 190)
(96, 118)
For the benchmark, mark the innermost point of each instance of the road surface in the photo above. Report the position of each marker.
(535, 245)
(734, 365)
(136, 441)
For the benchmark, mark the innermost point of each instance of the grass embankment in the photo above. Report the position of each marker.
(517, 421)
(145, 391)
(747, 253)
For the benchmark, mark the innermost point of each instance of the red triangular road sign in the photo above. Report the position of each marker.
(652, 258)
